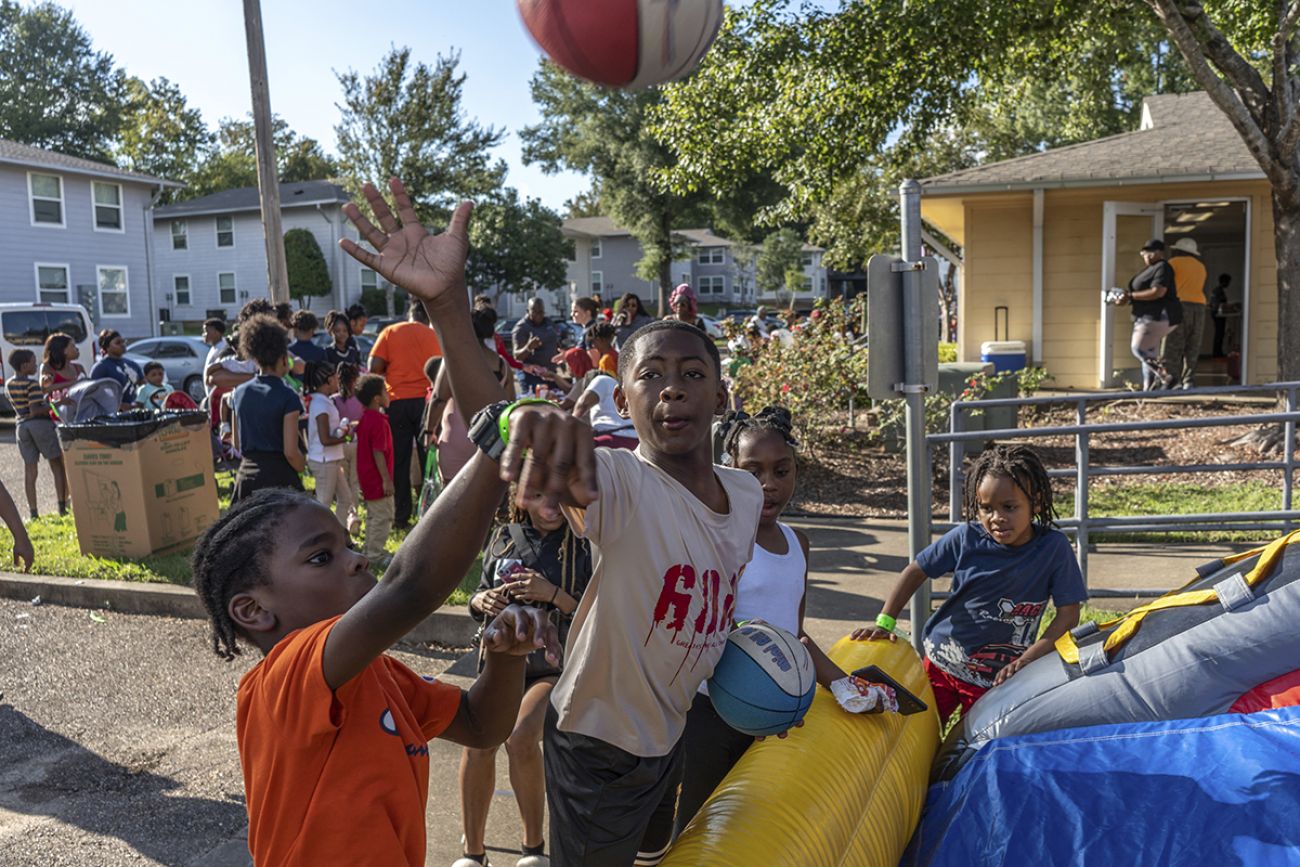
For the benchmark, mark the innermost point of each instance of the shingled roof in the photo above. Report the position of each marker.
(26, 155)
(292, 195)
(1183, 137)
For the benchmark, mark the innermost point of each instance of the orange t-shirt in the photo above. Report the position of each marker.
(337, 777)
(609, 363)
(405, 347)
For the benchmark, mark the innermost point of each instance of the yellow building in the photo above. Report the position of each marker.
(1043, 236)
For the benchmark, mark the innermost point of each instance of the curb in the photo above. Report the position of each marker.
(173, 600)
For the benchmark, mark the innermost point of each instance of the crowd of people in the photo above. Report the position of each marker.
(622, 541)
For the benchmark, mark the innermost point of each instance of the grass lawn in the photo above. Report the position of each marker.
(58, 553)
(1150, 498)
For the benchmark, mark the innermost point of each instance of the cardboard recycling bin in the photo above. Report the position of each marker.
(141, 483)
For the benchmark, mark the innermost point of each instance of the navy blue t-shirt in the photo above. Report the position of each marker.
(260, 407)
(306, 350)
(999, 594)
(127, 373)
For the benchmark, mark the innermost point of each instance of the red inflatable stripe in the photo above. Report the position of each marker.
(595, 39)
(1281, 691)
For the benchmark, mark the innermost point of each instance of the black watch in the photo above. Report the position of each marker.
(485, 430)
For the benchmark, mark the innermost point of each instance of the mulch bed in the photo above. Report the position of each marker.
(858, 478)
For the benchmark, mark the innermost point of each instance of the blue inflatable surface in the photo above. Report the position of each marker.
(1221, 790)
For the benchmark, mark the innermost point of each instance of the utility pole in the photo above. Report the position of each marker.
(268, 181)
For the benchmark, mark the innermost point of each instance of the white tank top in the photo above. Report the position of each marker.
(773, 584)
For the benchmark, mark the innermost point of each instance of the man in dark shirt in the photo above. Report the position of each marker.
(305, 324)
(536, 341)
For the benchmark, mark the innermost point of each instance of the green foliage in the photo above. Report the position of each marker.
(584, 204)
(815, 377)
(516, 246)
(161, 135)
(1136, 497)
(947, 353)
(376, 301)
(778, 267)
(56, 91)
(232, 162)
(406, 119)
(309, 276)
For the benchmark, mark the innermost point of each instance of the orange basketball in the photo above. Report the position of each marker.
(624, 43)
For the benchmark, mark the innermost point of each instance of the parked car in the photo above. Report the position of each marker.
(770, 321)
(181, 357)
(711, 327)
(27, 325)
(365, 343)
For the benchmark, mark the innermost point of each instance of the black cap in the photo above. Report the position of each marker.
(1155, 245)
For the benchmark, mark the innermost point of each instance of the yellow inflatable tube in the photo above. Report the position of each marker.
(843, 790)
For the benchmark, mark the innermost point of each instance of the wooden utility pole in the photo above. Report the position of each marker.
(268, 181)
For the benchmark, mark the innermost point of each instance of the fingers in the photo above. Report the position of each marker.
(583, 489)
(361, 254)
(405, 210)
(367, 230)
(379, 208)
(459, 225)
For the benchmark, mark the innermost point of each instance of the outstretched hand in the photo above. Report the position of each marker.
(550, 452)
(426, 266)
(521, 629)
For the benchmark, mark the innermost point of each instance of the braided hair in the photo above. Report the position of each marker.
(1023, 467)
(231, 557)
(315, 374)
(770, 418)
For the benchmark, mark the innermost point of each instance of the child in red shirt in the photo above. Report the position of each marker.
(375, 464)
(332, 733)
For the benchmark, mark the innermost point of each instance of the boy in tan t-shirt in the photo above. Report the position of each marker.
(671, 534)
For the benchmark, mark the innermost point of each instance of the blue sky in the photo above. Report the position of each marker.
(199, 44)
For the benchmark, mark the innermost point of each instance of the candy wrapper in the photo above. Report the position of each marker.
(856, 695)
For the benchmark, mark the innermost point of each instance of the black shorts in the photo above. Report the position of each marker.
(607, 805)
(260, 470)
(710, 749)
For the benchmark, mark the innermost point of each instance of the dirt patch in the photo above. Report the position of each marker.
(858, 478)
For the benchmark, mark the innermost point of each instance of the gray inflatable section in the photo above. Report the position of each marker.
(1183, 663)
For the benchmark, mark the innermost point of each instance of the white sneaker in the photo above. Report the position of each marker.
(534, 861)
(470, 862)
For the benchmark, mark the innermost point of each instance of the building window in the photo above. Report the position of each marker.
(114, 297)
(806, 285)
(47, 199)
(181, 289)
(369, 280)
(597, 282)
(226, 287)
(715, 285)
(52, 284)
(108, 206)
(712, 255)
(180, 235)
(595, 248)
(806, 260)
(225, 231)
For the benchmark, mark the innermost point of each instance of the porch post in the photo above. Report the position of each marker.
(1037, 280)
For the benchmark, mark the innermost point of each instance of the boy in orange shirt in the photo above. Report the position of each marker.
(333, 733)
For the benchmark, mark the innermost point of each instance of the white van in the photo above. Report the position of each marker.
(25, 326)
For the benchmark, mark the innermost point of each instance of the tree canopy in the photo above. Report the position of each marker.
(516, 246)
(232, 161)
(161, 135)
(309, 276)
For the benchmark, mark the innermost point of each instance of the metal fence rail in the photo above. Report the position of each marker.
(1082, 525)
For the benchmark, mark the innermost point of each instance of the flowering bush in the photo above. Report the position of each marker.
(814, 376)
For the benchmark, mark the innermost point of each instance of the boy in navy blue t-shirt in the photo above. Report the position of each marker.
(1006, 562)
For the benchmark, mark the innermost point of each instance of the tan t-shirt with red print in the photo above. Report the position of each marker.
(655, 617)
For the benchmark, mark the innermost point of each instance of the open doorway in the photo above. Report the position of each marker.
(1220, 231)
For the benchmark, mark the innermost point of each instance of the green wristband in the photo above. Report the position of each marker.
(503, 421)
(885, 622)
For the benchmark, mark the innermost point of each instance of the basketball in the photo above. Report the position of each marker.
(624, 43)
(764, 682)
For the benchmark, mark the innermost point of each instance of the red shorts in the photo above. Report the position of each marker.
(951, 693)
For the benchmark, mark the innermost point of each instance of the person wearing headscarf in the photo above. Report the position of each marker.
(685, 306)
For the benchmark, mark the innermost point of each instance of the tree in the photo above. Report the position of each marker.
(516, 246)
(161, 135)
(778, 267)
(309, 276)
(56, 91)
(232, 163)
(584, 204)
(407, 120)
(605, 133)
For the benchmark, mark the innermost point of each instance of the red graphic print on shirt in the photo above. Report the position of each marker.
(684, 590)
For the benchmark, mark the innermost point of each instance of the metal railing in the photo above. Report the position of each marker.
(1083, 525)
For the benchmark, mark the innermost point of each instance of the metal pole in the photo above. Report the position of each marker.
(918, 465)
(268, 181)
(956, 452)
(1081, 492)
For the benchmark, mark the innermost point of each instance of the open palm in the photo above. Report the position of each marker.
(425, 265)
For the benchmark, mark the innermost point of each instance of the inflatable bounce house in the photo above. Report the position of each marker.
(1170, 735)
